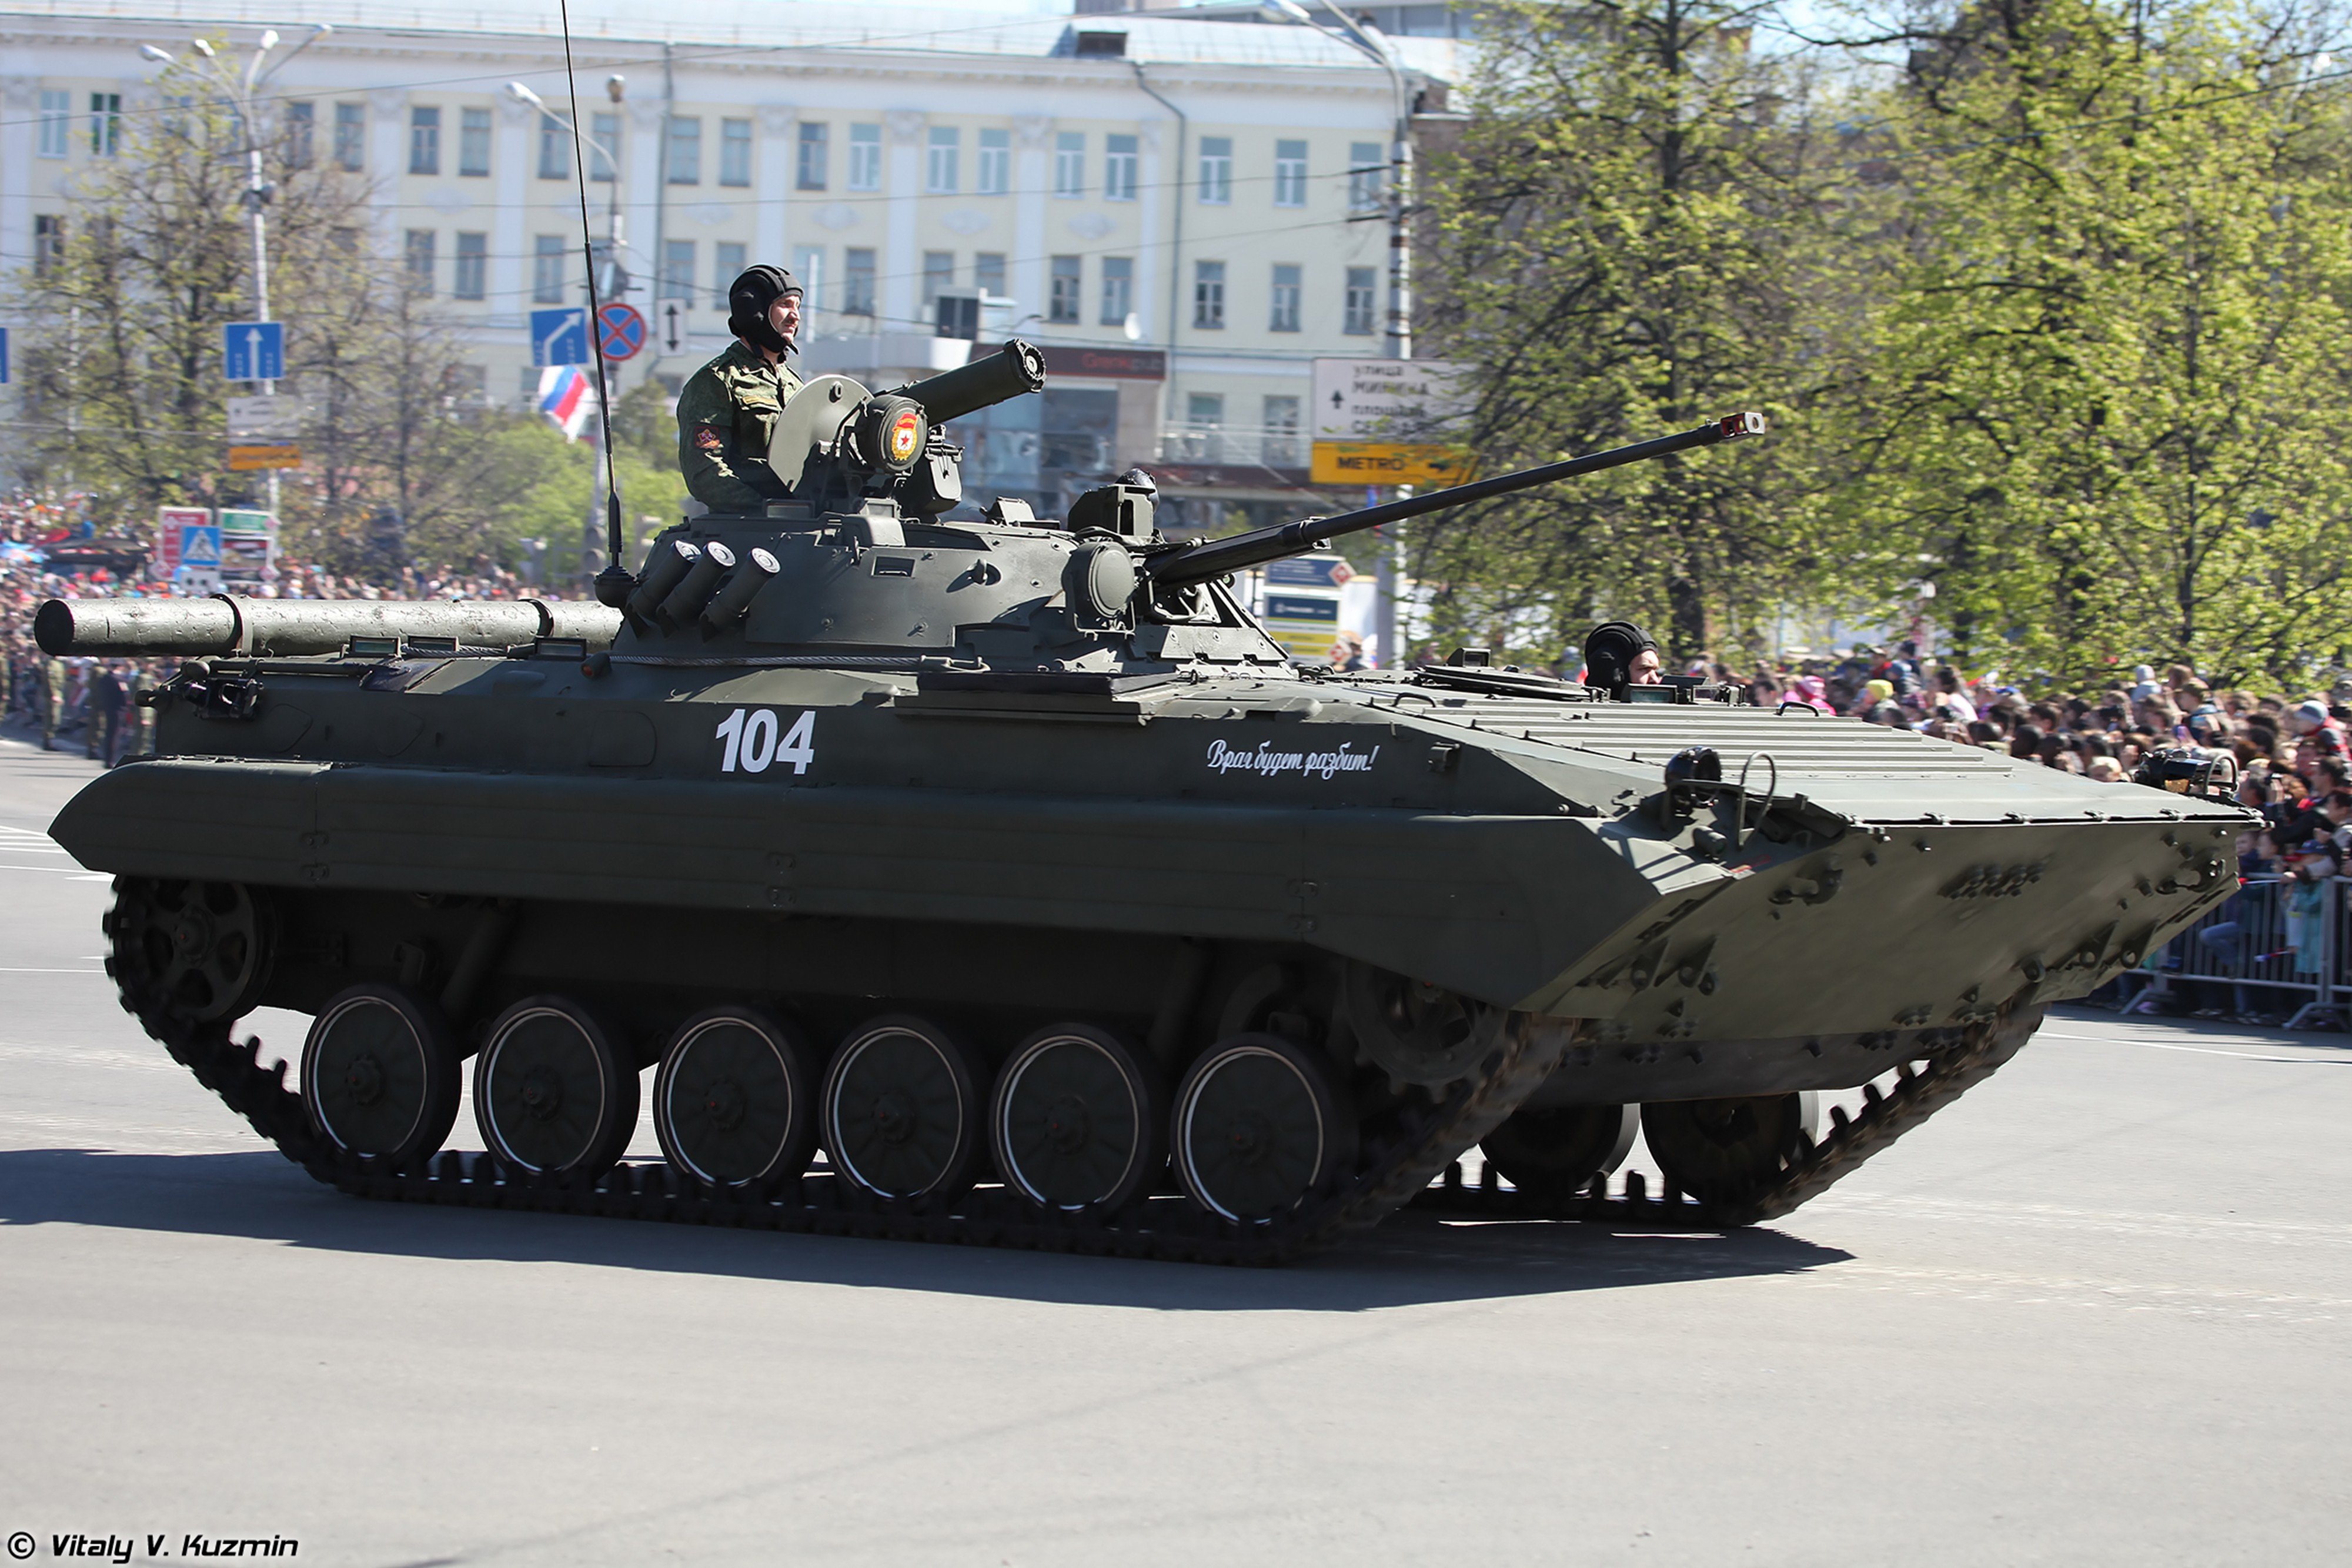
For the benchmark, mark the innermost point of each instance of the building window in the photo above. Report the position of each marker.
(1208, 294)
(1284, 317)
(416, 259)
(988, 273)
(729, 266)
(812, 159)
(940, 168)
(938, 273)
(1216, 170)
(686, 151)
(808, 270)
(547, 269)
(1281, 446)
(473, 267)
(1205, 418)
(425, 141)
(857, 274)
(734, 152)
(677, 270)
(1118, 168)
(865, 157)
(474, 143)
(1068, 280)
(1290, 173)
(995, 163)
(1357, 318)
(48, 243)
(1070, 163)
(606, 129)
(554, 149)
(351, 137)
(57, 123)
(105, 123)
(1118, 289)
(301, 120)
(1365, 168)
(1205, 411)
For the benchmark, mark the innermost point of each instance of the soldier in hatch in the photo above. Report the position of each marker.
(727, 412)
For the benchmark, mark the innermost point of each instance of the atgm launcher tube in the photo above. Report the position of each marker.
(228, 624)
(1016, 369)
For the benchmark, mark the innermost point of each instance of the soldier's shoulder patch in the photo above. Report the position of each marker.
(706, 440)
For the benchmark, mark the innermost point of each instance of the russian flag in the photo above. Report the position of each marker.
(567, 397)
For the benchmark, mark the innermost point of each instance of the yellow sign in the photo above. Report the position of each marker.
(244, 458)
(1387, 462)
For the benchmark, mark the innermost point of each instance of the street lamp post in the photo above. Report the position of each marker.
(615, 285)
(241, 94)
(1367, 39)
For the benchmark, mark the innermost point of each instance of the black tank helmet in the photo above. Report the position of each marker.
(748, 298)
(1610, 653)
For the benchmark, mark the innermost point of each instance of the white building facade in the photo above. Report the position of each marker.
(1182, 213)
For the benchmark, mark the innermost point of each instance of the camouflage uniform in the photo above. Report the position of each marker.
(53, 703)
(725, 415)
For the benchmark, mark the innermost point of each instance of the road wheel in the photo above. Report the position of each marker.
(902, 1110)
(1723, 1150)
(1554, 1151)
(553, 1090)
(382, 1073)
(734, 1100)
(1260, 1124)
(1077, 1119)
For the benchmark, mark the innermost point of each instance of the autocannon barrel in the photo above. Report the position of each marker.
(225, 623)
(1198, 563)
(1016, 368)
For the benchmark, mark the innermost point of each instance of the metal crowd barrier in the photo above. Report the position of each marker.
(2245, 951)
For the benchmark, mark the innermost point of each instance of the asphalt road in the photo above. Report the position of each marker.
(2097, 1313)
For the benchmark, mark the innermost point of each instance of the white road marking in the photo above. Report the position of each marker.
(2207, 1049)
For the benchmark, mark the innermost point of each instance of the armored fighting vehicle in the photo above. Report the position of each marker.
(1001, 880)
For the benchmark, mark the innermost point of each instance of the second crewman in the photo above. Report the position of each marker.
(728, 409)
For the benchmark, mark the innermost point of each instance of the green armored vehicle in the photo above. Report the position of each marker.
(1000, 880)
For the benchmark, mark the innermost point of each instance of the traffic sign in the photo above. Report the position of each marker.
(560, 336)
(1385, 463)
(245, 459)
(620, 331)
(168, 521)
(1309, 572)
(1387, 400)
(3, 356)
(254, 351)
(200, 546)
(265, 419)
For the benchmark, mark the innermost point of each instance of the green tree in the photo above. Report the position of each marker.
(1623, 238)
(2100, 378)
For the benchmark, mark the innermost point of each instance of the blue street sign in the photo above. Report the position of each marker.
(3, 356)
(200, 546)
(560, 336)
(254, 351)
(1299, 607)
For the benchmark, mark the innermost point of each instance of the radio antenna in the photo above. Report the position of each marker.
(612, 583)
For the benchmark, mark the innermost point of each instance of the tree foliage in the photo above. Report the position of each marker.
(2101, 367)
(1625, 231)
(2050, 311)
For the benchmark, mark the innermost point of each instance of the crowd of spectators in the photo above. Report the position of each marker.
(92, 704)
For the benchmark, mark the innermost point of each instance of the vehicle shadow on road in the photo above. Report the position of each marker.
(1414, 1259)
